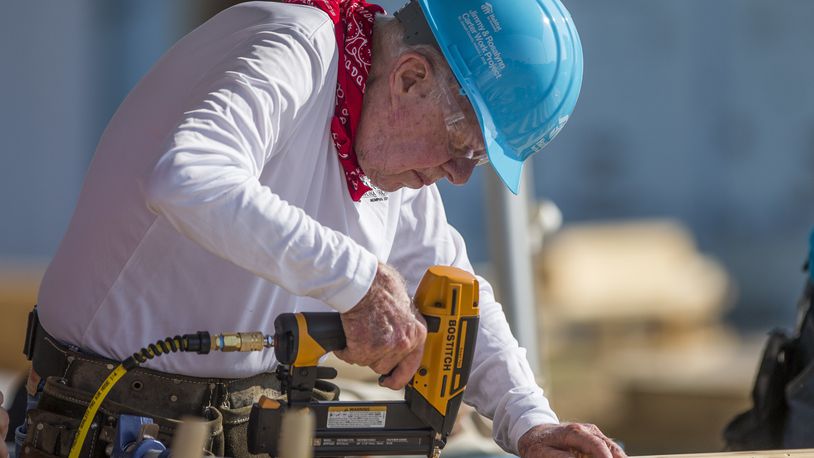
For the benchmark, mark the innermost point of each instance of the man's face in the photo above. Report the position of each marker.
(420, 132)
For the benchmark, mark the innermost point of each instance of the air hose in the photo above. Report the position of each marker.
(200, 343)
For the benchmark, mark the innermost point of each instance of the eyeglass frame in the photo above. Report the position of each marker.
(456, 120)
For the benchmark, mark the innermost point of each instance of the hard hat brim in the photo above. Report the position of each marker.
(509, 170)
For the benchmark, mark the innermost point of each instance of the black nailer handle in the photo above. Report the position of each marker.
(300, 339)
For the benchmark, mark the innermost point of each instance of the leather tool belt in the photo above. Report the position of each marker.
(73, 376)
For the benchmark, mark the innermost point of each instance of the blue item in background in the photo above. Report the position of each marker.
(811, 256)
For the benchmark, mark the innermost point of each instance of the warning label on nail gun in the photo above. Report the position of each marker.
(357, 417)
(372, 444)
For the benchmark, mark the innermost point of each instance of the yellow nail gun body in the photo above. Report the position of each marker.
(448, 299)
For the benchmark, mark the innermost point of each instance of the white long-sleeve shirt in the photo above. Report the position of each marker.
(216, 201)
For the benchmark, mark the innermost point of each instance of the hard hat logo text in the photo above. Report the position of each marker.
(482, 39)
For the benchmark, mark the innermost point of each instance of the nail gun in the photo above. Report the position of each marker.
(448, 299)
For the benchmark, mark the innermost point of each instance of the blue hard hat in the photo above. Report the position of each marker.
(520, 64)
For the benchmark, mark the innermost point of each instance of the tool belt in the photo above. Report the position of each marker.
(73, 376)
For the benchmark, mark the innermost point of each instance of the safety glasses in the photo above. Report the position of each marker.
(465, 140)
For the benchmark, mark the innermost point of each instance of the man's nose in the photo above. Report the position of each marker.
(459, 170)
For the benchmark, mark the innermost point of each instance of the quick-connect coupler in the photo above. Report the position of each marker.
(242, 341)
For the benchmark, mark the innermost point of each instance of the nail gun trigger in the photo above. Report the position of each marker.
(326, 373)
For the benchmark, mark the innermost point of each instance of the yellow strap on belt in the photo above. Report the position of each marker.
(93, 407)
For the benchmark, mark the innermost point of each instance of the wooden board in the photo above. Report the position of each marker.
(800, 453)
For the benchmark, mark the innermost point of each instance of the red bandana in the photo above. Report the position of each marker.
(353, 23)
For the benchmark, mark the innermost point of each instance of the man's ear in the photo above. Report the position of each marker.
(411, 76)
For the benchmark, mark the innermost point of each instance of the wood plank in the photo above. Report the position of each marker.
(797, 453)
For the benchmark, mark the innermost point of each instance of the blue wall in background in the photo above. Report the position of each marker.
(44, 122)
(66, 67)
(702, 111)
(697, 110)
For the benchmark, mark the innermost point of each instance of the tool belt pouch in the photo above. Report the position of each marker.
(236, 420)
(52, 426)
(49, 434)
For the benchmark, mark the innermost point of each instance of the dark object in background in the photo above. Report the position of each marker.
(799, 430)
(782, 416)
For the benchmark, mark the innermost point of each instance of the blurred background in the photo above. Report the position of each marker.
(671, 217)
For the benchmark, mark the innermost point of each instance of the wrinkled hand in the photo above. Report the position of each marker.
(567, 440)
(385, 331)
(3, 429)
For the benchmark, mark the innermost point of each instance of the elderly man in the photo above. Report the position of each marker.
(246, 176)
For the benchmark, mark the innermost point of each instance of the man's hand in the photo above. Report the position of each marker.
(384, 330)
(567, 440)
(3, 429)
